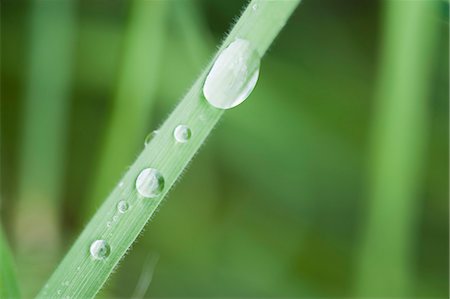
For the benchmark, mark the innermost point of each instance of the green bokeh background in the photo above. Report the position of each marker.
(280, 200)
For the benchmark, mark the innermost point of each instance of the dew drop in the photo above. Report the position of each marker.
(100, 249)
(150, 183)
(115, 218)
(108, 224)
(233, 75)
(59, 292)
(123, 206)
(150, 137)
(182, 133)
(255, 7)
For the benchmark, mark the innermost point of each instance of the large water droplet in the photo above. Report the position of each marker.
(123, 206)
(150, 183)
(100, 249)
(182, 133)
(233, 75)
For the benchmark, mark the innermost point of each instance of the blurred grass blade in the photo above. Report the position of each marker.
(46, 105)
(146, 276)
(196, 38)
(135, 96)
(9, 287)
(398, 143)
(83, 273)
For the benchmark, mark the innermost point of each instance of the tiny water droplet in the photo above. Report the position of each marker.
(121, 184)
(78, 268)
(150, 183)
(115, 218)
(255, 7)
(100, 249)
(233, 75)
(108, 224)
(123, 206)
(59, 292)
(182, 133)
(150, 136)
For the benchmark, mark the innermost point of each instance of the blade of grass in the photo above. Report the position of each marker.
(190, 32)
(398, 142)
(134, 97)
(78, 275)
(9, 287)
(46, 103)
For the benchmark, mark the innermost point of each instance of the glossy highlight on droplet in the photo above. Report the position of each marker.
(182, 133)
(100, 250)
(123, 206)
(150, 183)
(233, 75)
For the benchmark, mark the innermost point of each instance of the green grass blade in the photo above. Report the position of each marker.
(399, 138)
(78, 276)
(134, 97)
(9, 287)
(46, 106)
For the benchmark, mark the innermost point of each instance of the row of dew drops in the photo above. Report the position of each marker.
(230, 81)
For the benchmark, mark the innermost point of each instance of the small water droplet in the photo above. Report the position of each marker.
(150, 183)
(150, 136)
(123, 206)
(182, 133)
(233, 75)
(255, 7)
(115, 218)
(121, 184)
(100, 249)
(59, 292)
(108, 224)
(78, 268)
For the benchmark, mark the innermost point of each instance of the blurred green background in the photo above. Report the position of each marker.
(331, 180)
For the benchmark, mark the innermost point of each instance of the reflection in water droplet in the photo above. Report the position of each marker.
(150, 183)
(123, 206)
(182, 133)
(149, 137)
(100, 249)
(233, 75)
